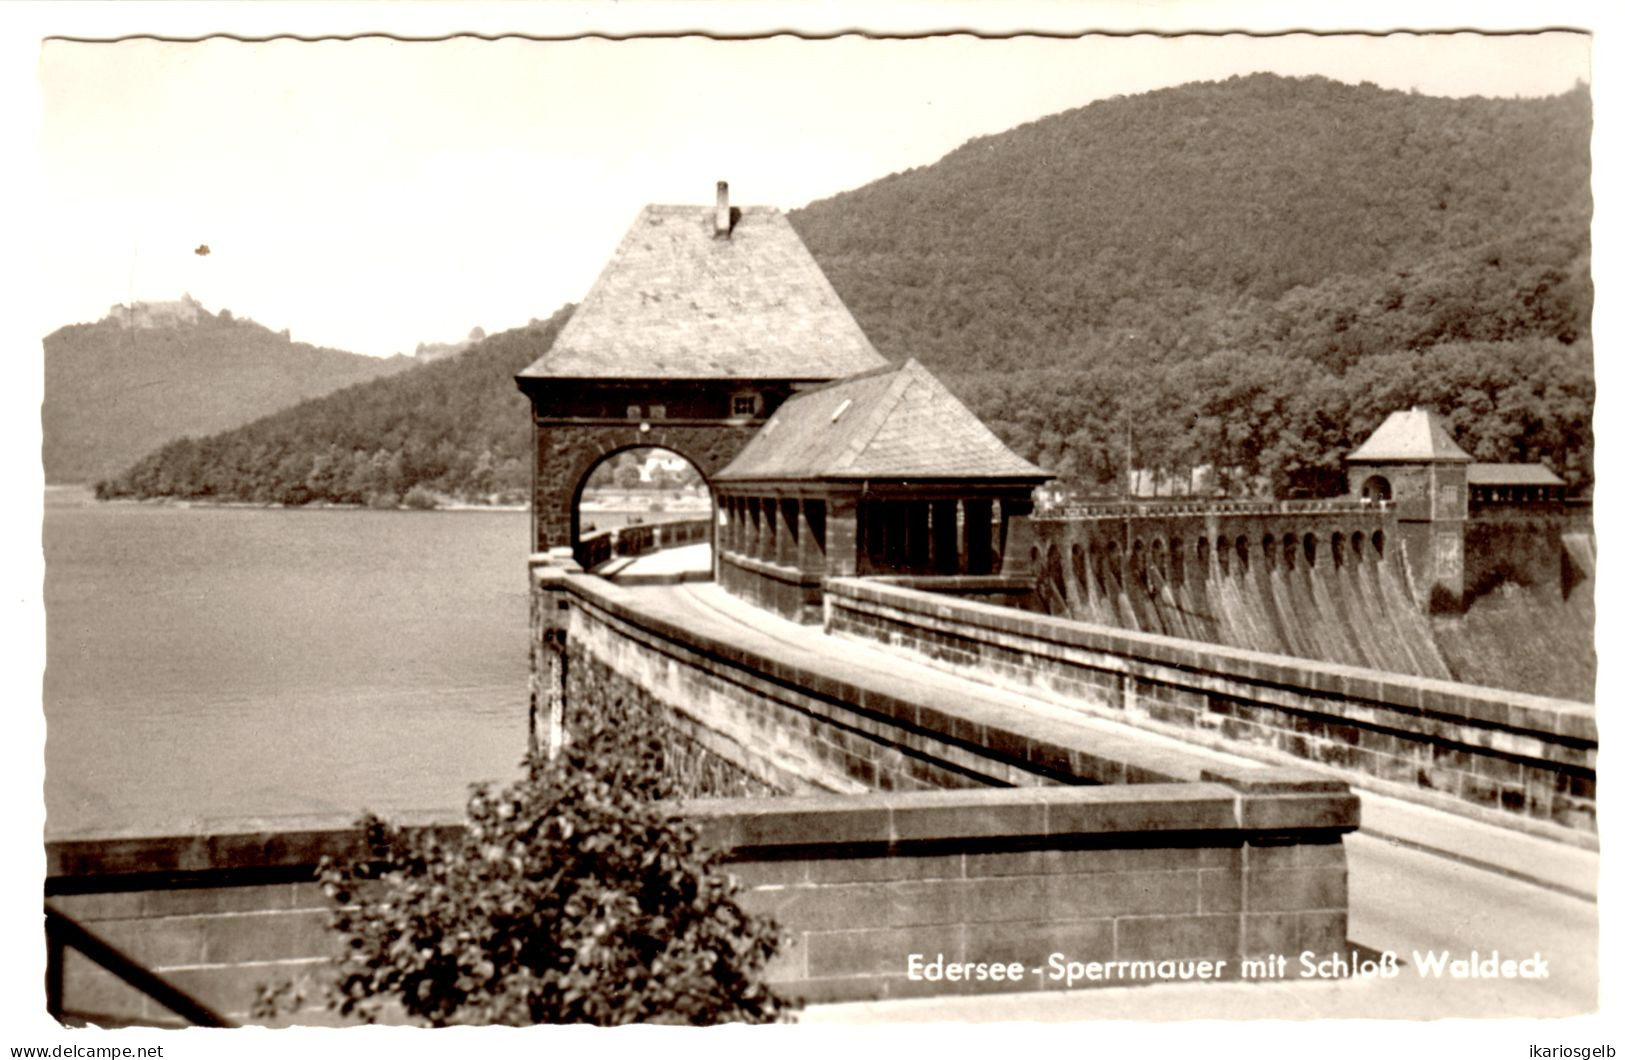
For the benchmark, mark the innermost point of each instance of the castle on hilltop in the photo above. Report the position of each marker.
(146, 315)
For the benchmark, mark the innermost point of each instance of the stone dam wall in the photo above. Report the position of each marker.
(1531, 615)
(1332, 581)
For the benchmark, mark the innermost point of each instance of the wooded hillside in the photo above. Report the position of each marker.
(1251, 273)
(456, 427)
(113, 393)
(1248, 274)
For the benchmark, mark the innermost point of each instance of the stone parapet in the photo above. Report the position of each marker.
(1113, 885)
(801, 720)
(1514, 758)
(1158, 872)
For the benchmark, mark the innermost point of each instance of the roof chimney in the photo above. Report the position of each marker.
(724, 220)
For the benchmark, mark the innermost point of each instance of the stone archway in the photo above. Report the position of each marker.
(1376, 488)
(566, 455)
(645, 485)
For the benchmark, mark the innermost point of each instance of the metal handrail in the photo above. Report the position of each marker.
(63, 932)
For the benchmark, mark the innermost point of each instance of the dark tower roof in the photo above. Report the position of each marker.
(696, 292)
(894, 423)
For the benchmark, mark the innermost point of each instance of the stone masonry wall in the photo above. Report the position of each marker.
(1330, 585)
(1156, 872)
(217, 915)
(219, 944)
(811, 723)
(1519, 759)
(693, 768)
(567, 453)
(781, 589)
(803, 735)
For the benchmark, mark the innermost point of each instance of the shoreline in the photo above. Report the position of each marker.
(186, 502)
(676, 510)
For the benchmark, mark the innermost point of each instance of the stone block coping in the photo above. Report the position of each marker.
(1564, 721)
(835, 825)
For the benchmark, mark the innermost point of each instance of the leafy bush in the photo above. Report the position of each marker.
(418, 497)
(572, 896)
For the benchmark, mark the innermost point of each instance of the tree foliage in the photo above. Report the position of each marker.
(456, 428)
(1248, 275)
(572, 896)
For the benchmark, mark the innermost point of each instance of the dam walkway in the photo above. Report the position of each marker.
(1421, 880)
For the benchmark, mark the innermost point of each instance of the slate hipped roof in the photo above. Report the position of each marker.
(1415, 434)
(681, 300)
(1511, 475)
(894, 423)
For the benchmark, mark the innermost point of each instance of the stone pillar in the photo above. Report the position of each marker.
(945, 537)
(1016, 535)
(551, 491)
(1447, 540)
(809, 556)
(789, 532)
(867, 545)
(770, 529)
(535, 481)
(841, 536)
(753, 527)
(549, 629)
(978, 537)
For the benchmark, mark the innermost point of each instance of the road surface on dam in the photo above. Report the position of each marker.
(1440, 904)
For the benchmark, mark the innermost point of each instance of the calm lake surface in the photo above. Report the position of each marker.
(220, 666)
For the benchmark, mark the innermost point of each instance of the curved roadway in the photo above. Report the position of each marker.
(1410, 901)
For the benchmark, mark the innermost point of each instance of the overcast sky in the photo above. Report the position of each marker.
(373, 194)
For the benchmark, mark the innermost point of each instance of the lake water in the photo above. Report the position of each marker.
(210, 667)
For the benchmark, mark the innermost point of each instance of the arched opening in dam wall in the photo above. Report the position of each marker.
(568, 452)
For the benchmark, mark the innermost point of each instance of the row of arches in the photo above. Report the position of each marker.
(1161, 563)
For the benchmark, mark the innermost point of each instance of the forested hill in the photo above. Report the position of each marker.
(1243, 270)
(115, 392)
(1174, 209)
(1248, 274)
(456, 427)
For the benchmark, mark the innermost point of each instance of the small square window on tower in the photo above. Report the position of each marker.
(634, 412)
(744, 405)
